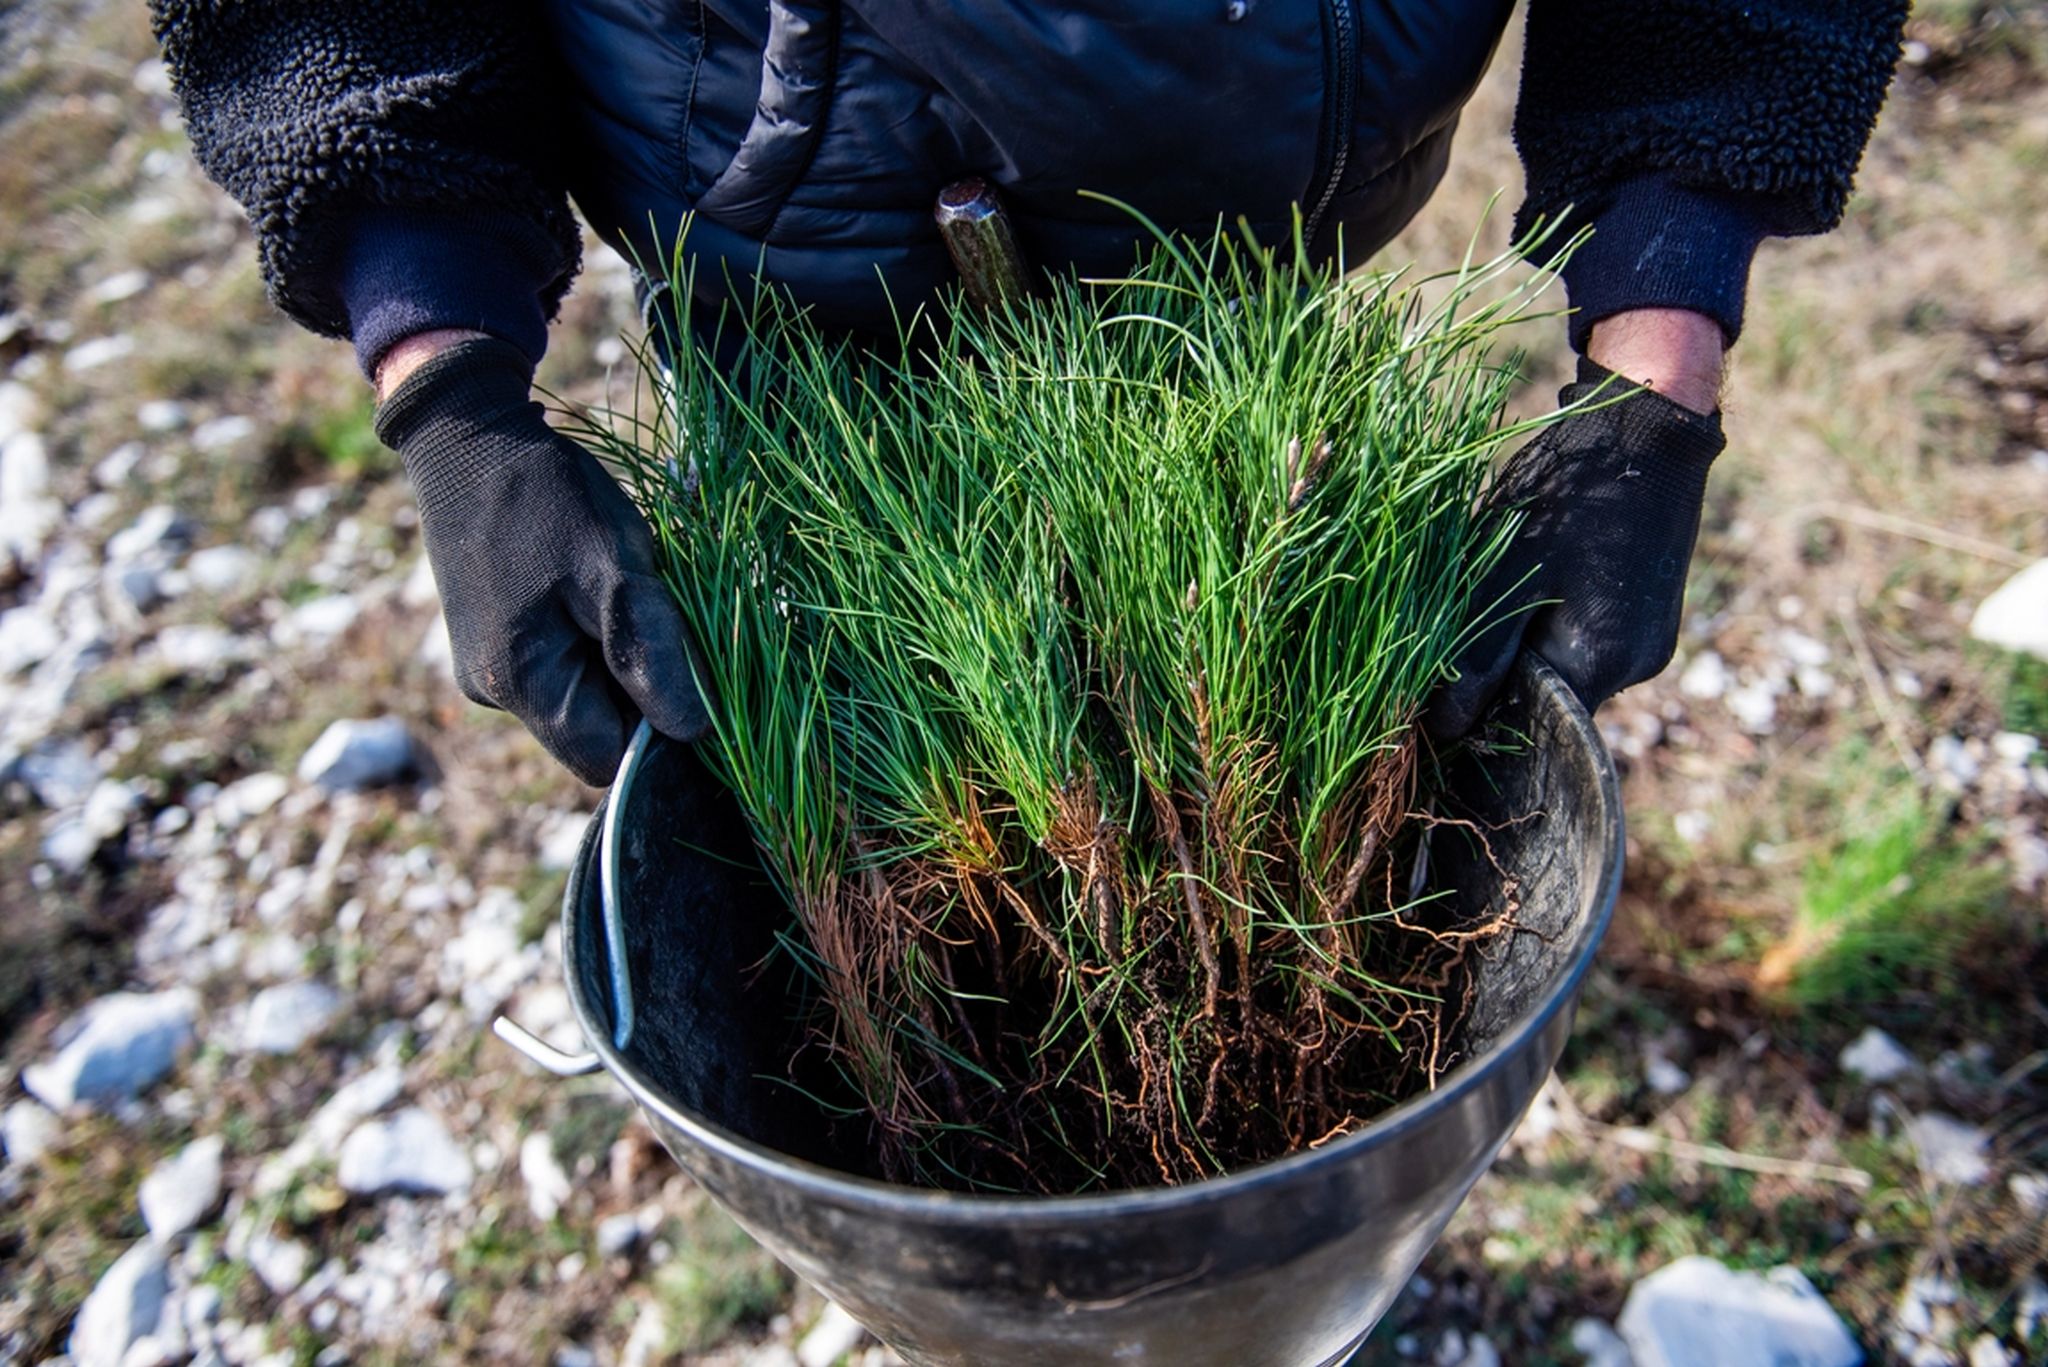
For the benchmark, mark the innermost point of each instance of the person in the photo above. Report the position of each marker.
(407, 166)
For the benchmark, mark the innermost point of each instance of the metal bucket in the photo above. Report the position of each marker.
(1290, 1263)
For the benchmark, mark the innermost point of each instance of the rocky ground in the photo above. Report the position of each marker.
(266, 877)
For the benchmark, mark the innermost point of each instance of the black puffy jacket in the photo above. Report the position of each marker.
(404, 161)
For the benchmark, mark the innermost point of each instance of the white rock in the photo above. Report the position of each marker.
(281, 1264)
(1800, 648)
(645, 1345)
(222, 570)
(361, 1096)
(485, 963)
(20, 410)
(1953, 759)
(26, 528)
(158, 528)
(24, 469)
(561, 836)
(1813, 681)
(1876, 1057)
(1664, 1077)
(250, 796)
(152, 76)
(1950, 1150)
(318, 620)
(109, 808)
(158, 416)
(1755, 705)
(409, 1152)
(182, 1190)
(1705, 676)
(60, 773)
(127, 1303)
(119, 286)
(201, 648)
(28, 1130)
(282, 1018)
(1538, 1123)
(156, 1350)
(2015, 616)
(114, 1048)
(1923, 1318)
(270, 526)
(117, 468)
(2030, 1308)
(436, 649)
(98, 352)
(134, 588)
(2015, 747)
(312, 500)
(618, 1235)
(217, 434)
(2029, 1192)
(1480, 1352)
(69, 845)
(547, 1185)
(351, 755)
(27, 637)
(419, 591)
(1986, 1351)
(1596, 1342)
(95, 510)
(834, 1336)
(1697, 1313)
(76, 837)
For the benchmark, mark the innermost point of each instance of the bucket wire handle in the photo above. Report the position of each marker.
(537, 1050)
(611, 858)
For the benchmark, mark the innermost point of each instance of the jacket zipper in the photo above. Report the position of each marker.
(1337, 124)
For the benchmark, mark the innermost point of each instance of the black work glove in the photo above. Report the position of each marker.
(1611, 501)
(555, 607)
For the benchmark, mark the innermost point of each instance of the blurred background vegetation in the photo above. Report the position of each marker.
(1838, 798)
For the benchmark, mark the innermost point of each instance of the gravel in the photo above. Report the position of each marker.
(126, 1304)
(1877, 1058)
(183, 1190)
(29, 1130)
(1950, 1150)
(1697, 1313)
(408, 1152)
(281, 1019)
(115, 1048)
(352, 755)
(2015, 616)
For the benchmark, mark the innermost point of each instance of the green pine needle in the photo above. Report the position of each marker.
(1067, 660)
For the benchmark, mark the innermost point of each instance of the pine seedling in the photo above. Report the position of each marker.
(1067, 659)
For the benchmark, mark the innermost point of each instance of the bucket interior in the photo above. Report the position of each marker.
(720, 1015)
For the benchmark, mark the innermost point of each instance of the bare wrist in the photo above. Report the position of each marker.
(1676, 352)
(410, 353)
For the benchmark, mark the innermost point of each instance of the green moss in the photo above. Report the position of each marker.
(1897, 905)
(2021, 686)
(718, 1280)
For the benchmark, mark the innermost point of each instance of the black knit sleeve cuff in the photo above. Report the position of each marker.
(407, 271)
(1659, 244)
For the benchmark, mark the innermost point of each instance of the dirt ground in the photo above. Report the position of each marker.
(1838, 801)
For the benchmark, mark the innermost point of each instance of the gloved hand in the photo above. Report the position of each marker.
(547, 573)
(1611, 508)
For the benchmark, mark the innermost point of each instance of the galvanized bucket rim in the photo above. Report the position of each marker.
(982, 1209)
